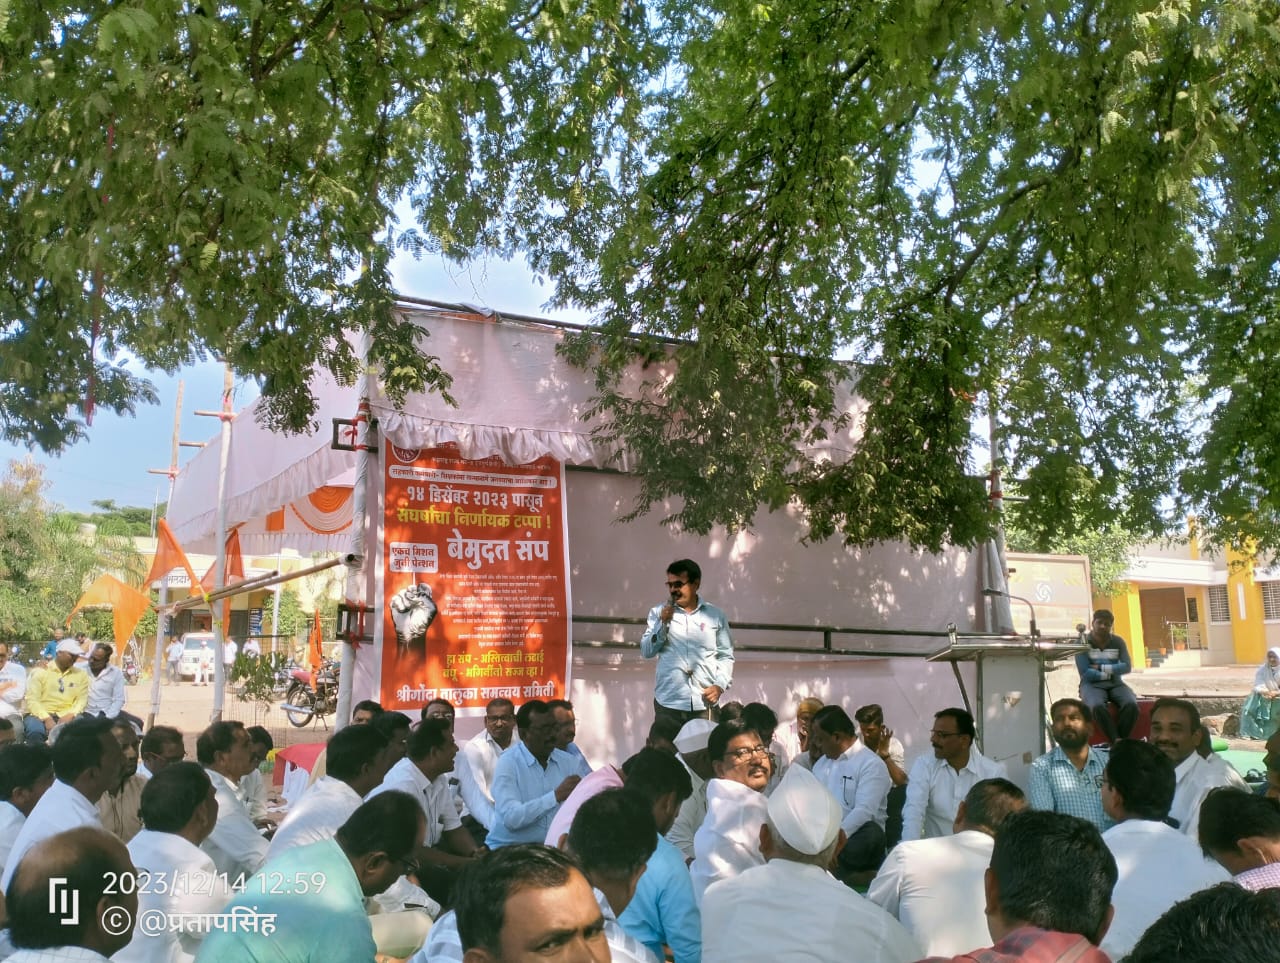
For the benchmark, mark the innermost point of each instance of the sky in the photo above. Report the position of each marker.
(111, 462)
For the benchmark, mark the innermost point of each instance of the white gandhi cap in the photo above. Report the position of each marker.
(805, 814)
(694, 735)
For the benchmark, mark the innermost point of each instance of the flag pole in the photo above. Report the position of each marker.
(157, 666)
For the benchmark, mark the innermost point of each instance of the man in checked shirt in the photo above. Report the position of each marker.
(691, 641)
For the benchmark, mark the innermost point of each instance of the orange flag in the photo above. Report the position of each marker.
(235, 564)
(127, 605)
(315, 650)
(169, 555)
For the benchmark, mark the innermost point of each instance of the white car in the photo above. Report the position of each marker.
(191, 651)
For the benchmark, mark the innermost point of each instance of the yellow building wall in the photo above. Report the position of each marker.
(1245, 601)
(1124, 605)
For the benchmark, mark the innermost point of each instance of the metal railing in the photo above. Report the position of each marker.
(828, 633)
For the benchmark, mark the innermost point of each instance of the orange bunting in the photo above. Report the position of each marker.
(127, 605)
(315, 644)
(169, 555)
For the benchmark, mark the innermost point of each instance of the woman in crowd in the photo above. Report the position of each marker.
(1260, 716)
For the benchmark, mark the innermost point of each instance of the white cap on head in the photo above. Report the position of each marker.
(69, 645)
(694, 735)
(805, 814)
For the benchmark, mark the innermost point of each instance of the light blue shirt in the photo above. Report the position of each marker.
(663, 910)
(584, 767)
(694, 650)
(524, 795)
(318, 906)
(1058, 786)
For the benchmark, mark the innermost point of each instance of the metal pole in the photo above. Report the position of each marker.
(275, 608)
(995, 562)
(158, 660)
(220, 568)
(254, 584)
(158, 666)
(356, 558)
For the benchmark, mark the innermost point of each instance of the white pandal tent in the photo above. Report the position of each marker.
(517, 399)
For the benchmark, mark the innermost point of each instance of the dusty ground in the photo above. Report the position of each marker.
(189, 707)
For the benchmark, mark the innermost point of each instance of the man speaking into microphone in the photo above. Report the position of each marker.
(694, 649)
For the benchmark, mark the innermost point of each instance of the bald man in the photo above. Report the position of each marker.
(78, 921)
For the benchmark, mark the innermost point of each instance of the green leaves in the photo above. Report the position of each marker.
(1052, 214)
(220, 181)
(992, 210)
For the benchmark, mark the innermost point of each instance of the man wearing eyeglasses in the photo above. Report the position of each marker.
(56, 694)
(531, 781)
(728, 842)
(690, 639)
(939, 783)
(479, 758)
(13, 686)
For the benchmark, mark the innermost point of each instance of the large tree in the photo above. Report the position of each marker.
(1058, 213)
(48, 557)
(180, 179)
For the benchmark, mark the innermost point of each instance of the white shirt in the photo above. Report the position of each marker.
(11, 820)
(235, 844)
(183, 881)
(251, 647)
(935, 791)
(11, 699)
(433, 795)
(1227, 771)
(1158, 866)
(316, 815)
(474, 766)
(623, 947)
(254, 792)
(228, 652)
(753, 916)
(106, 693)
(62, 807)
(174, 652)
(728, 841)
(691, 815)
(859, 780)
(1195, 778)
(935, 889)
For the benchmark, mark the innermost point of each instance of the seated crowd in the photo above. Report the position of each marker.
(733, 839)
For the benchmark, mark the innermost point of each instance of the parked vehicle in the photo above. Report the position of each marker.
(191, 645)
(311, 697)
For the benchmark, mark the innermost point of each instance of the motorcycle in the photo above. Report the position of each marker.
(312, 698)
(129, 666)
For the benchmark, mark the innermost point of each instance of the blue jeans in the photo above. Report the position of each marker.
(35, 731)
(1096, 696)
